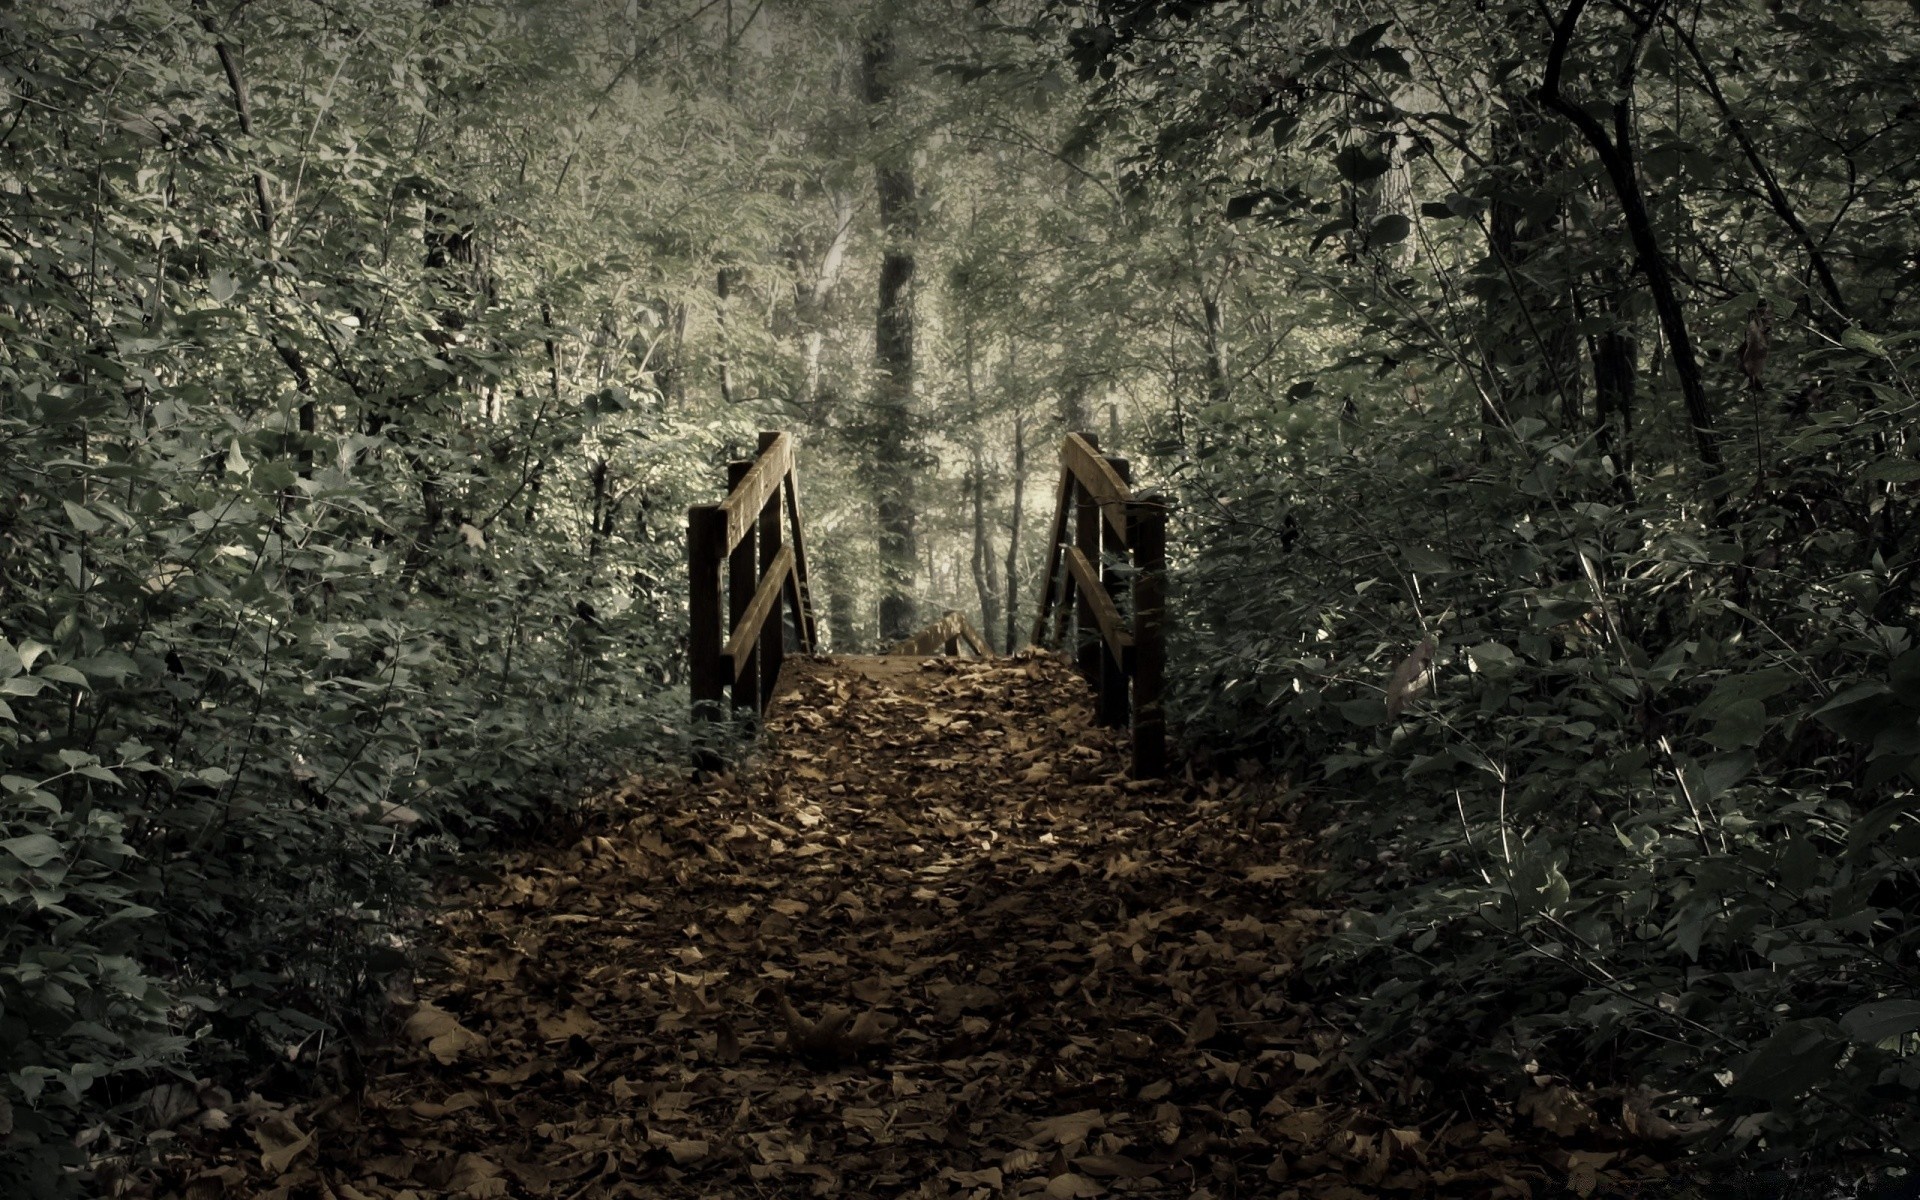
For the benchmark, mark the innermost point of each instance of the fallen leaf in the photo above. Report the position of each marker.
(445, 1038)
(1067, 1130)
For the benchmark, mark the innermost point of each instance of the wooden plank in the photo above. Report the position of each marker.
(943, 637)
(1147, 518)
(743, 576)
(1086, 539)
(1113, 672)
(746, 631)
(1106, 616)
(773, 632)
(972, 637)
(747, 496)
(1050, 580)
(1079, 455)
(931, 640)
(706, 529)
(802, 586)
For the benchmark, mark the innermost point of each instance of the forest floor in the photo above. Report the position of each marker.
(931, 943)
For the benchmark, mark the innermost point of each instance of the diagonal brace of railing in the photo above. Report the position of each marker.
(740, 549)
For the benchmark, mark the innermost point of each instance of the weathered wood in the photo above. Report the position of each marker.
(747, 495)
(706, 534)
(1114, 634)
(803, 595)
(1112, 542)
(1086, 539)
(1113, 670)
(1050, 579)
(743, 646)
(1080, 454)
(944, 637)
(743, 580)
(744, 539)
(972, 638)
(1147, 534)
(773, 628)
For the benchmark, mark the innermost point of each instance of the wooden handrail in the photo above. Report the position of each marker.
(944, 637)
(745, 503)
(739, 549)
(1108, 545)
(1102, 483)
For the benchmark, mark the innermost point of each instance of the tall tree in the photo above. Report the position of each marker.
(895, 454)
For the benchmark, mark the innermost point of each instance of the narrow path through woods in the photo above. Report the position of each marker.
(933, 942)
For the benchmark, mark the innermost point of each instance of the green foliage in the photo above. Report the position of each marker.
(1611, 720)
(308, 575)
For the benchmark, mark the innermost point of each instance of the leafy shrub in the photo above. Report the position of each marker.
(308, 576)
(1624, 786)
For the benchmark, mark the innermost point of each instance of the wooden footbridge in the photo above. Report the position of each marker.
(1104, 597)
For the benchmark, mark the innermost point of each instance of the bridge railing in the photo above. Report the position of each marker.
(1108, 548)
(945, 636)
(750, 550)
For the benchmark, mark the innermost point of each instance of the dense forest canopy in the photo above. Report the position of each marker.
(1534, 381)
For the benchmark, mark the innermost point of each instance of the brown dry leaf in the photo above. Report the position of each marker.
(1410, 677)
(445, 1038)
(575, 1022)
(479, 1178)
(686, 1152)
(1557, 1110)
(1114, 1166)
(866, 956)
(1066, 1130)
(458, 1102)
(1640, 1117)
(1206, 1024)
(281, 1142)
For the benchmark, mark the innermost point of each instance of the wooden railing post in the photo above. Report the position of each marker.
(1088, 651)
(773, 635)
(1147, 534)
(707, 676)
(1114, 666)
(743, 577)
(802, 597)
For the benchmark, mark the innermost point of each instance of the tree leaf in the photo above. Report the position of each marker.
(82, 520)
(1799, 1055)
(1357, 164)
(1388, 230)
(1892, 470)
(1365, 712)
(33, 849)
(61, 673)
(1871, 1024)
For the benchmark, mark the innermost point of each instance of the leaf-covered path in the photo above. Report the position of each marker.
(933, 943)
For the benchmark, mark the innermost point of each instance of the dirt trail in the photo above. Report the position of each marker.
(933, 943)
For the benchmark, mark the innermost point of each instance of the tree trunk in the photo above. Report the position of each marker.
(1617, 154)
(723, 291)
(1013, 529)
(1532, 344)
(811, 298)
(986, 572)
(895, 455)
(1615, 353)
